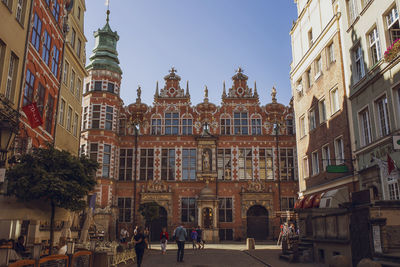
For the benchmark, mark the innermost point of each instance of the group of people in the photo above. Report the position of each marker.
(140, 240)
(17, 249)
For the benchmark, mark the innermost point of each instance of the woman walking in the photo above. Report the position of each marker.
(140, 243)
(164, 240)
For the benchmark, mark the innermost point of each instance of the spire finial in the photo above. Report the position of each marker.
(187, 88)
(255, 89)
(108, 10)
(273, 94)
(139, 92)
(156, 89)
(224, 91)
(205, 92)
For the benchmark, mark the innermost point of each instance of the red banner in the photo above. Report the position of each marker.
(32, 112)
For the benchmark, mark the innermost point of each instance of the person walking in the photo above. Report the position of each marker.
(180, 237)
(200, 240)
(193, 236)
(140, 244)
(164, 240)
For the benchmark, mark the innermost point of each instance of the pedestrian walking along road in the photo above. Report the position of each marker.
(180, 237)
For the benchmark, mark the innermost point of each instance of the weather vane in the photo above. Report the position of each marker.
(107, 3)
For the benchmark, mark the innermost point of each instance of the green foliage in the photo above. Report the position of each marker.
(150, 211)
(52, 175)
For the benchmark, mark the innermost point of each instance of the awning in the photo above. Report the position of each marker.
(317, 200)
(300, 203)
(309, 202)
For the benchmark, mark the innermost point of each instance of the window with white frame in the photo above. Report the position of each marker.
(96, 116)
(72, 82)
(315, 163)
(365, 127)
(256, 126)
(224, 164)
(339, 151)
(305, 168)
(172, 123)
(11, 77)
(318, 67)
(19, 14)
(382, 116)
(94, 150)
(189, 164)
(286, 162)
(168, 164)
(326, 157)
(156, 126)
(322, 110)
(106, 161)
(188, 209)
(187, 126)
(61, 113)
(394, 189)
(359, 70)
(374, 46)
(311, 119)
(65, 74)
(245, 163)
(266, 161)
(109, 118)
(392, 22)
(331, 53)
(146, 164)
(352, 10)
(225, 126)
(335, 106)
(302, 124)
(225, 209)
(125, 164)
(241, 123)
(69, 118)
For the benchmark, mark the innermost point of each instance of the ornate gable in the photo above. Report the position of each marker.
(240, 88)
(172, 88)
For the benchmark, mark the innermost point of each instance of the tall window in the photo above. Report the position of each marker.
(289, 126)
(256, 126)
(106, 161)
(73, 36)
(326, 157)
(110, 87)
(168, 164)
(245, 163)
(11, 77)
(172, 123)
(187, 126)
(156, 126)
(189, 164)
(69, 118)
(365, 127)
(305, 168)
(311, 118)
(225, 126)
(75, 125)
(109, 117)
(224, 164)
(85, 116)
(122, 126)
(28, 91)
(352, 10)
(331, 53)
(287, 203)
(125, 164)
(375, 46)
(36, 31)
(65, 74)
(46, 47)
(225, 213)
(96, 116)
(94, 150)
(302, 126)
(146, 164)
(392, 22)
(78, 88)
(78, 48)
(41, 94)
(315, 163)
(188, 209)
(383, 116)
(339, 151)
(72, 82)
(286, 161)
(61, 113)
(125, 209)
(98, 85)
(322, 110)
(19, 15)
(394, 189)
(266, 163)
(56, 58)
(241, 124)
(56, 10)
(49, 113)
(335, 106)
(318, 67)
(359, 63)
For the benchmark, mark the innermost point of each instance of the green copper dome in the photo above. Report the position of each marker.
(105, 55)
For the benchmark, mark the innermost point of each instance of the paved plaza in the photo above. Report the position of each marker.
(218, 255)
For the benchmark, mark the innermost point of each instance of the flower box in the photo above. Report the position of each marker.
(392, 51)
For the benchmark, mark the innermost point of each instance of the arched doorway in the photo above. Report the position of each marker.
(257, 222)
(157, 225)
(207, 218)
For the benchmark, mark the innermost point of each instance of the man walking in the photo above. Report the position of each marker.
(180, 237)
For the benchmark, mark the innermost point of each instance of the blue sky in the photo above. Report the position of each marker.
(205, 40)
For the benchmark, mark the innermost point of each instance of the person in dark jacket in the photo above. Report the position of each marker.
(140, 243)
(180, 237)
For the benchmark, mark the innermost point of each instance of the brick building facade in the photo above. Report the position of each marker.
(224, 167)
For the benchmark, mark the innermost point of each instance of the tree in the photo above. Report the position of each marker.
(53, 176)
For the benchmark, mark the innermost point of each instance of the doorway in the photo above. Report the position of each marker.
(257, 222)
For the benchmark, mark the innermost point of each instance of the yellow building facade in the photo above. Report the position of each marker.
(70, 102)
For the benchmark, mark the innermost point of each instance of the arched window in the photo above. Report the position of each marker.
(256, 124)
(225, 124)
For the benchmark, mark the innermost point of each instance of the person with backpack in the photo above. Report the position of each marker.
(180, 238)
(193, 236)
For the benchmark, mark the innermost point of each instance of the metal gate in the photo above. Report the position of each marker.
(257, 222)
(157, 225)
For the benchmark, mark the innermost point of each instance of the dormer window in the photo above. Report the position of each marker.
(172, 123)
(241, 124)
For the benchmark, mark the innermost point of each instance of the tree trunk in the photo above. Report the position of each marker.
(53, 208)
